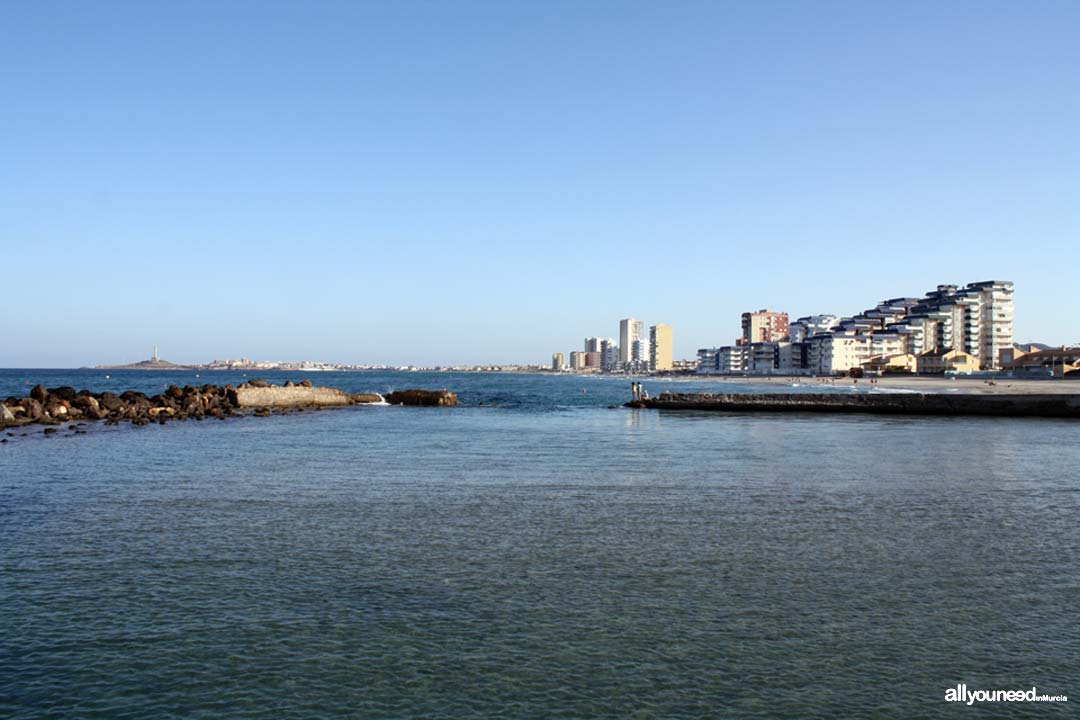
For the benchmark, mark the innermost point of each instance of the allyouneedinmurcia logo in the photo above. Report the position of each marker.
(961, 693)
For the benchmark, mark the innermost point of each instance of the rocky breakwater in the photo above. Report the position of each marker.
(1030, 405)
(60, 405)
(64, 405)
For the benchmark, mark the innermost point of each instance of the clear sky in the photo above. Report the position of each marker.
(445, 182)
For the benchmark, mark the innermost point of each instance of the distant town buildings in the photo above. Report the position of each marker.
(635, 352)
(558, 362)
(951, 329)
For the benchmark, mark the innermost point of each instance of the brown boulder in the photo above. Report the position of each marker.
(32, 408)
(63, 393)
(110, 402)
(90, 406)
(425, 398)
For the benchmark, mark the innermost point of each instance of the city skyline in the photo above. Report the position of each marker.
(277, 182)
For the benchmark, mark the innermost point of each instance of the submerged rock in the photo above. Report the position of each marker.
(425, 398)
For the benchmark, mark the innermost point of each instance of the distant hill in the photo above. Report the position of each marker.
(152, 364)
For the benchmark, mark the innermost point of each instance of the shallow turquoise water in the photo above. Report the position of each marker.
(543, 558)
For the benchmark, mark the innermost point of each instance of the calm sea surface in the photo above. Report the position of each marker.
(539, 556)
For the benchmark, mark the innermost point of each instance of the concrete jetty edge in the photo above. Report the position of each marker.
(1027, 405)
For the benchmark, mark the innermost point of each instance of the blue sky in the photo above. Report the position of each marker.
(433, 182)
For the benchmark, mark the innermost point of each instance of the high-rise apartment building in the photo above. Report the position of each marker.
(976, 319)
(661, 347)
(763, 326)
(592, 344)
(558, 361)
(577, 360)
(609, 355)
(632, 342)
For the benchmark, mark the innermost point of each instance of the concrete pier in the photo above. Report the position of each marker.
(1027, 405)
(287, 397)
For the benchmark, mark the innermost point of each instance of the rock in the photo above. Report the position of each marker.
(49, 431)
(426, 398)
(6, 416)
(366, 398)
(89, 405)
(174, 392)
(63, 393)
(305, 383)
(132, 397)
(289, 383)
(39, 393)
(110, 402)
(258, 383)
(32, 409)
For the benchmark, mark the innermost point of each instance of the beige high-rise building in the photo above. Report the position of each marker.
(558, 362)
(763, 326)
(661, 347)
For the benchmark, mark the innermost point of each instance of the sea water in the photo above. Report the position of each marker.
(533, 553)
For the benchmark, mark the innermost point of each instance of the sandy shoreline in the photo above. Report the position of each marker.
(924, 384)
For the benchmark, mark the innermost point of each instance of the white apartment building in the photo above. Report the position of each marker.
(706, 358)
(732, 359)
(725, 360)
(806, 327)
(762, 357)
(609, 355)
(633, 345)
(977, 319)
